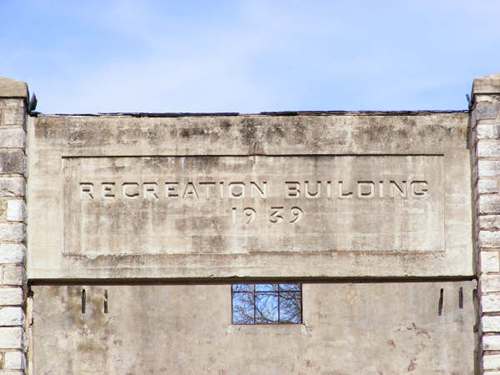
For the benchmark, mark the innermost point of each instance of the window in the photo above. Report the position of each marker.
(267, 303)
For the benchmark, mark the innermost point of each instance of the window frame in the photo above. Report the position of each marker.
(278, 291)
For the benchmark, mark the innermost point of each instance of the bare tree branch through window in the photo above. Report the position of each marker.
(267, 303)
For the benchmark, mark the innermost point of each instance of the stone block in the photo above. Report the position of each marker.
(489, 222)
(489, 239)
(489, 204)
(14, 360)
(488, 148)
(490, 302)
(12, 137)
(487, 186)
(490, 283)
(487, 108)
(12, 161)
(489, 84)
(488, 168)
(12, 186)
(12, 253)
(11, 296)
(12, 118)
(491, 342)
(11, 316)
(490, 323)
(491, 362)
(12, 112)
(489, 261)
(12, 274)
(487, 130)
(16, 210)
(12, 232)
(11, 88)
(11, 337)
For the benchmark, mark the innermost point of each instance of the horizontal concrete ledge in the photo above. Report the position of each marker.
(10, 88)
(487, 85)
(230, 114)
(231, 280)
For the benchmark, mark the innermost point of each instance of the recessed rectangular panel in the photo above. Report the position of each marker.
(242, 204)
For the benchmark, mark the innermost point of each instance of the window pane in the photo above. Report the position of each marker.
(290, 307)
(266, 307)
(290, 287)
(243, 308)
(262, 303)
(266, 287)
(243, 287)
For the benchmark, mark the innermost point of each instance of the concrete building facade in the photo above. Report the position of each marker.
(327, 243)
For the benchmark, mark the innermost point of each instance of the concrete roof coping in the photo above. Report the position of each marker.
(489, 84)
(10, 88)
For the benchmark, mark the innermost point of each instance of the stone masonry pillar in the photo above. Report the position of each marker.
(13, 114)
(485, 146)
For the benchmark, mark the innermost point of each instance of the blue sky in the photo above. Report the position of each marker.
(248, 56)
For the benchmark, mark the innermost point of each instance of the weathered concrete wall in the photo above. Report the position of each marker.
(252, 196)
(13, 98)
(485, 140)
(369, 329)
